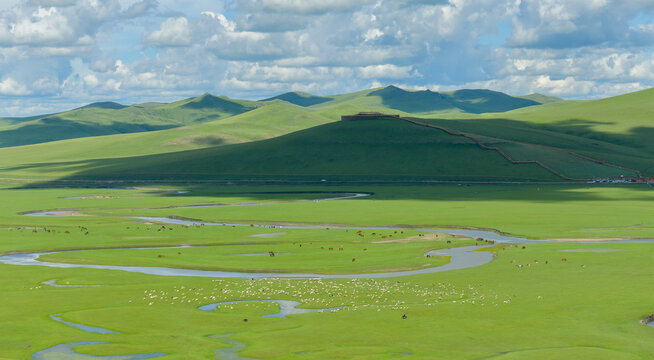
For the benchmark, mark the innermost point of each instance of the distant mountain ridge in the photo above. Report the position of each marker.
(108, 117)
(104, 105)
(467, 100)
(201, 138)
(300, 98)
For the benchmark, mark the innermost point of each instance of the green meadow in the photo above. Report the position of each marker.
(259, 173)
(526, 304)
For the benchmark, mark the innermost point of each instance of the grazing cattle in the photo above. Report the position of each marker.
(353, 259)
(564, 259)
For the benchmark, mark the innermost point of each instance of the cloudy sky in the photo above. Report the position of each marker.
(57, 54)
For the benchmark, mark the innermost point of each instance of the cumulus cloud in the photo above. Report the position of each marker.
(140, 8)
(312, 7)
(173, 32)
(9, 86)
(386, 71)
(91, 49)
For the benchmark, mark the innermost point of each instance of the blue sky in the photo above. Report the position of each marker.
(58, 54)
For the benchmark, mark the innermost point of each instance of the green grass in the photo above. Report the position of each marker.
(586, 307)
(300, 98)
(269, 121)
(101, 120)
(325, 252)
(377, 149)
(612, 130)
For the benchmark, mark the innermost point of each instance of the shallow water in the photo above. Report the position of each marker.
(90, 329)
(53, 283)
(67, 352)
(460, 258)
(230, 353)
(486, 235)
(337, 197)
(286, 307)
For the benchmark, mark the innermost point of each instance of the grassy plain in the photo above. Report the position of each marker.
(526, 304)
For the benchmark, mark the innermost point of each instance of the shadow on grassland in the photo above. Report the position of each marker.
(363, 154)
(54, 128)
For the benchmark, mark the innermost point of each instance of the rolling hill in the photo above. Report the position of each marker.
(107, 118)
(553, 141)
(380, 149)
(300, 98)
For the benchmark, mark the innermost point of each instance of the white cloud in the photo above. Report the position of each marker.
(116, 49)
(386, 71)
(172, 32)
(372, 34)
(44, 26)
(228, 25)
(303, 6)
(9, 86)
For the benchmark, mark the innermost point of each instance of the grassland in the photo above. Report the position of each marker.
(382, 148)
(526, 304)
(572, 138)
(101, 119)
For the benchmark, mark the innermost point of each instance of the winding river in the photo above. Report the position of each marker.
(286, 307)
(460, 258)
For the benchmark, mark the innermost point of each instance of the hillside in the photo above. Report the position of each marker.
(392, 99)
(381, 149)
(576, 139)
(617, 129)
(108, 118)
(540, 98)
(277, 118)
(300, 98)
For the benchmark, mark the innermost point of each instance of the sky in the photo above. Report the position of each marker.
(59, 54)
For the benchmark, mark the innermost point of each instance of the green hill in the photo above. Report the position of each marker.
(540, 98)
(424, 102)
(486, 101)
(107, 118)
(301, 99)
(105, 105)
(617, 129)
(577, 139)
(381, 149)
(277, 118)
